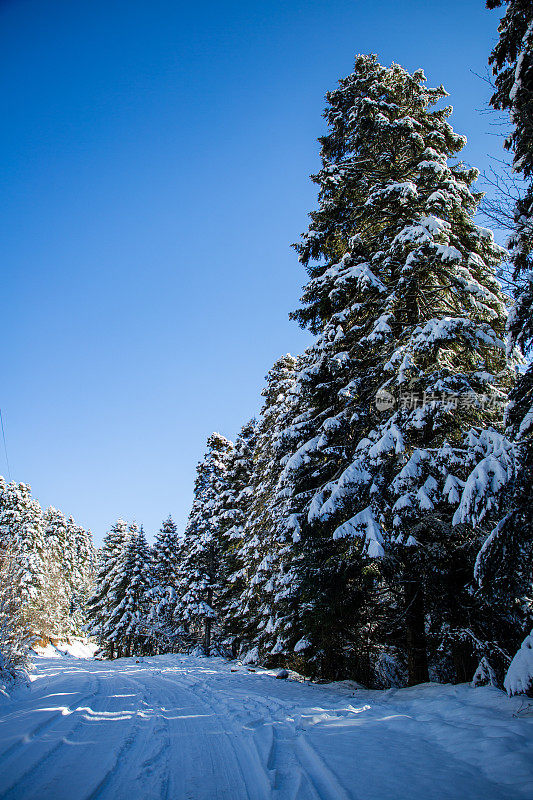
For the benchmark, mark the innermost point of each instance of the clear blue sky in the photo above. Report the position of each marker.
(156, 156)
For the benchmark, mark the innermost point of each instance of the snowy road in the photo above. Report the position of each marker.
(188, 728)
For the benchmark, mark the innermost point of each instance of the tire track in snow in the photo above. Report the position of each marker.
(111, 773)
(152, 764)
(316, 778)
(120, 762)
(280, 772)
(46, 778)
(313, 767)
(256, 785)
(174, 766)
(45, 725)
(293, 767)
(31, 771)
(188, 730)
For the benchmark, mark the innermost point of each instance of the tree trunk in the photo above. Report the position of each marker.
(463, 661)
(415, 633)
(207, 637)
(464, 657)
(207, 640)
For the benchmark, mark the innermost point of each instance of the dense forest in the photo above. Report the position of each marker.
(376, 520)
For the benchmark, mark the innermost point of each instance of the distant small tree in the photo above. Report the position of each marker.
(58, 564)
(80, 576)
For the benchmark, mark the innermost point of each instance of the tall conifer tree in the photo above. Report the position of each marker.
(410, 356)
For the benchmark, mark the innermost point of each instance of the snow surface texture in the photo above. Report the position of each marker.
(192, 728)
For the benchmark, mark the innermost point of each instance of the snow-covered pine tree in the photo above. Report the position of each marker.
(128, 625)
(59, 563)
(167, 554)
(104, 599)
(512, 64)
(81, 575)
(504, 567)
(202, 567)
(237, 496)
(403, 295)
(14, 642)
(69, 557)
(22, 534)
(329, 632)
(264, 611)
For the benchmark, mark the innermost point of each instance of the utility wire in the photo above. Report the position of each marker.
(5, 445)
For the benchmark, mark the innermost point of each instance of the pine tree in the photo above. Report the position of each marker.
(59, 563)
(202, 568)
(44, 560)
(69, 564)
(512, 66)
(264, 610)
(81, 575)
(128, 625)
(14, 643)
(237, 497)
(104, 598)
(22, 534)
(167, 554)
(409, 360)
(14, 640)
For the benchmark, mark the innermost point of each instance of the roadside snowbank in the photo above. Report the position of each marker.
(70, 648)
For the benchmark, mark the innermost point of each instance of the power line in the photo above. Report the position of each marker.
(5, 445)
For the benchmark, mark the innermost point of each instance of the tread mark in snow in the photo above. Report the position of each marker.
(34, 769)
(46, 724)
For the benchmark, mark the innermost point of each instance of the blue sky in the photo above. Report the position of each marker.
(156, 157)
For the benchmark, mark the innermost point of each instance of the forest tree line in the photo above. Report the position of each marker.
(375, 521)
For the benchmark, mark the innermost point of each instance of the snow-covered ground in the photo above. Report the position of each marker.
(187, 728)
(75, 647)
